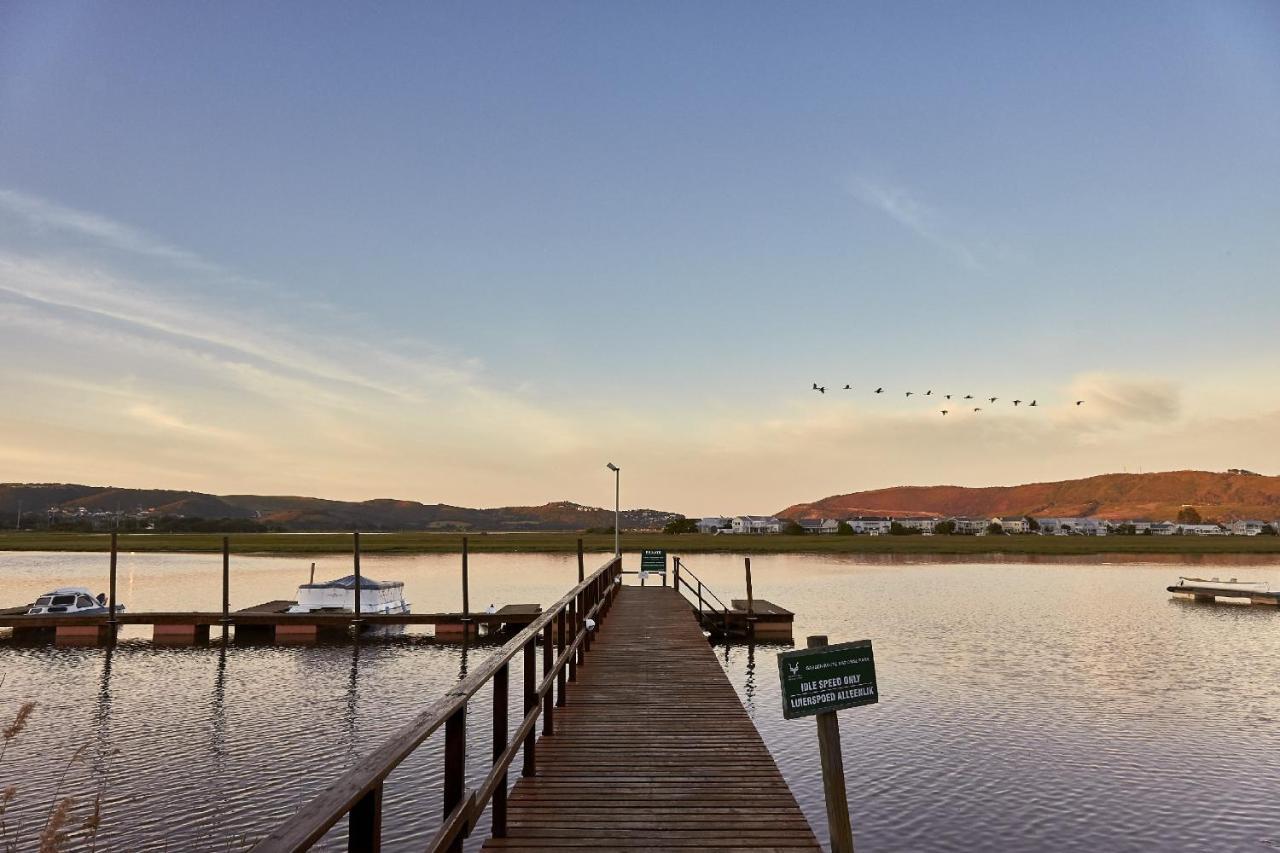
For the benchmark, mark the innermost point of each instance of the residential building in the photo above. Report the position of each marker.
(1011, 523)
(756, 524)
(714, 524)
(971, 526)
(819, 525)
(873, 524)
(922, 523)
(1246, 527)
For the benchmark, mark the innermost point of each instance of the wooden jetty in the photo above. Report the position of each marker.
(645, 744)
(655, 750)
(1213, 593)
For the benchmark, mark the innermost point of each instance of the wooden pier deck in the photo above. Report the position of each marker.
(654, 750)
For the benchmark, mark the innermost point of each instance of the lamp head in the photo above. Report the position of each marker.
(612, 467)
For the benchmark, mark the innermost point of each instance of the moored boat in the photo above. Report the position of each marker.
(71, 600)
(339, 596)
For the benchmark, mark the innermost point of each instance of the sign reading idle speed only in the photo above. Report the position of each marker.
(827, 678)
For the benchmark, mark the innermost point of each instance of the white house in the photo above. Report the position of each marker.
(1202, 530)
(1247, 527)
(1163, 528)
(713, 524)
(971, 526)
(819, 525)
(923, 523)
(758, 524)
(873, 524)
(1011, 523)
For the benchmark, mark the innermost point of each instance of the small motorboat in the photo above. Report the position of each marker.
(71, 600)
(339, 596)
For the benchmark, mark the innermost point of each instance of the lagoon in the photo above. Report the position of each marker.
(1026, 703)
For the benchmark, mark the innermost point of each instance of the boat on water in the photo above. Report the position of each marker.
(1226, 587)
(71, 600)
(339, 596)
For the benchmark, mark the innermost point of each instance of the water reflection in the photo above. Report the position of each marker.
(1040, 699)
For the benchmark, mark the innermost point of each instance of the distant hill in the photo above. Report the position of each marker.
(1158, 497)
(313, 514)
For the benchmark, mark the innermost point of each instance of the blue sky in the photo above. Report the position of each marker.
(486, 247)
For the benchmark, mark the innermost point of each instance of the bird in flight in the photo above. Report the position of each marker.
(976, 409)
(820, 390)
(948, 396)
(1078, 402)
(909, 393)
(848, 388)
(815, 386)
(944, 411)
(1032, 403)
(992, 399)
(968, 396)
(929, 392)
(1016, 402)
(879, 390)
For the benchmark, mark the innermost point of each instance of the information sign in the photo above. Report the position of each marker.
(827, 678)
(652, 560)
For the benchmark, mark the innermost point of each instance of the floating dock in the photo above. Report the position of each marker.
(1211, 593)
(266, 621)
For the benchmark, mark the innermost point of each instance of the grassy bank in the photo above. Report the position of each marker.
(441, 543)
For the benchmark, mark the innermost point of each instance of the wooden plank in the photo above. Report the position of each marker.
(654, 751)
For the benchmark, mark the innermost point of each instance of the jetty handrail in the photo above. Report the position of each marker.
(357, 792)
(680, 570)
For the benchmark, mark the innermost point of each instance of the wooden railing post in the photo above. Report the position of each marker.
(364, 824)
(530, 700)
(455, 767)
(675, 574)
(572, 621)
(500, 705)
(466, 594)
(751, 608)
(699, 602)
(548, 699)
(560, 675)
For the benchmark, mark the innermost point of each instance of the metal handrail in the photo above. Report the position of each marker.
(357, 792)
(680, 570)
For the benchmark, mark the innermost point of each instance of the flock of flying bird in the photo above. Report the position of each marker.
(822, 389)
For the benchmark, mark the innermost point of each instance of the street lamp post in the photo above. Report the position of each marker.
(617, 507)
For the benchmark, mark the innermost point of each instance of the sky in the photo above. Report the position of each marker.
(469, 253)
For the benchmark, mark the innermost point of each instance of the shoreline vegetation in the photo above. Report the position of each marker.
(552, 543)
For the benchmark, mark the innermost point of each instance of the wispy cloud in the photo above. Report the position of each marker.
(910, 212)
(43, 213)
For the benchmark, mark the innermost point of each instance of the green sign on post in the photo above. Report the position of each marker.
(827, 678)
(653, 560)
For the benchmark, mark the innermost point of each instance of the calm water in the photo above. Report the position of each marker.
(1044, 705)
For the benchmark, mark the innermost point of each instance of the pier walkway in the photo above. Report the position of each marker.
(645, 745)
(654, 750)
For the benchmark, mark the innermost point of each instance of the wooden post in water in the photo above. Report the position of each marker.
(355, 552)
(111, 589)
(833, 774)
(226, 579)
(751, 604)
(466, 593)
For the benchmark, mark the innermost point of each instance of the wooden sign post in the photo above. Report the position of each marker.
(821, 680)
